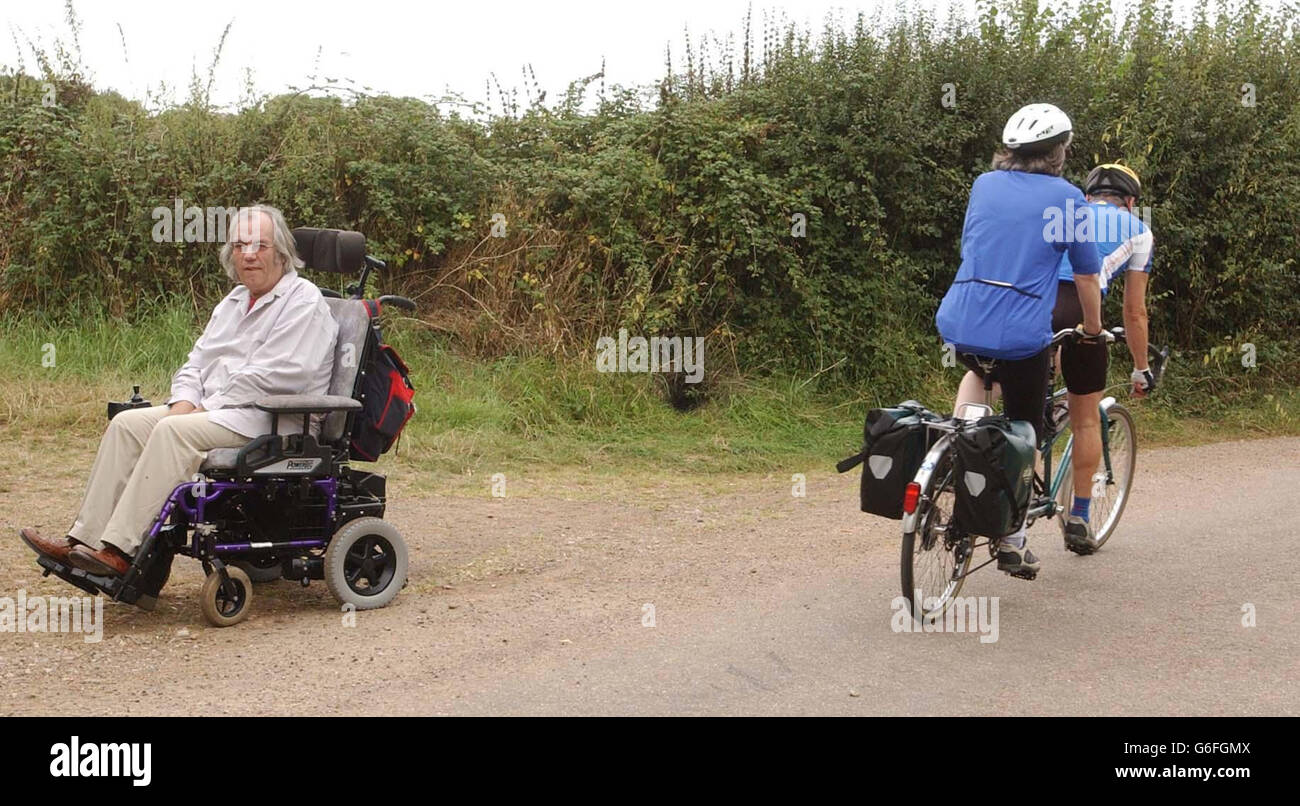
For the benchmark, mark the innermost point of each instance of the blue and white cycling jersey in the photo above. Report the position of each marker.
(1000, 303)
(1124, 243)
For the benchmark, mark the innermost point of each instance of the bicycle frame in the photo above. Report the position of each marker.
(1068, 453)
(929, 526)
(1045, 506)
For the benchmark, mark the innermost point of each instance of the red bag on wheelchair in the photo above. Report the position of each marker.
(387, 403)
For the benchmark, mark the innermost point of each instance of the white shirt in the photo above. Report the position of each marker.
(284, 345)
(1132, 255)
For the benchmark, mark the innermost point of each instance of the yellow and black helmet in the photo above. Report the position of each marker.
(1113, 178)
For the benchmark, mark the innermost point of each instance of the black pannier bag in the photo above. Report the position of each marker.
(388, 398)
(895, 441)
(993, 476)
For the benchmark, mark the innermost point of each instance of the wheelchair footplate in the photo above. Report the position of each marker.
(140, 585)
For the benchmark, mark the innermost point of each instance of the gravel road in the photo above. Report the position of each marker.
(727, 597)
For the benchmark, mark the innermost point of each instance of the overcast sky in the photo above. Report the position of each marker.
(400, 48)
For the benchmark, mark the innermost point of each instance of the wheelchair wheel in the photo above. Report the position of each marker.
(262, 569)
(219, 608)
(365, 564)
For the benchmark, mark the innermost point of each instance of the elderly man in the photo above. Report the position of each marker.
(273, 334)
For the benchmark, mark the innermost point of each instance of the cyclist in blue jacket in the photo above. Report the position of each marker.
(1125, 245)
(1000, 303)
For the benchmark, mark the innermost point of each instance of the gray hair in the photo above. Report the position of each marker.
(1050, 162)
(1118, 199)
(286, 248)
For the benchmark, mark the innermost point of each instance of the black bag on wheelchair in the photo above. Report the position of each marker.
(994, 475)
(387, 401)
(894, 444)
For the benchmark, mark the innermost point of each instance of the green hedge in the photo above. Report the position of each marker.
(669, 208)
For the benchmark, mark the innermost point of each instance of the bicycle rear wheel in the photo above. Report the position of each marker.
(935, 557)
(1110, 493)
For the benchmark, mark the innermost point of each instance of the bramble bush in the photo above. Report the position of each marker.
(677, 208)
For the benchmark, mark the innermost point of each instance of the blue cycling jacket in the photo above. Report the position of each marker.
(1017, 227)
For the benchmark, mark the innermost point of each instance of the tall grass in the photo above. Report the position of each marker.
(539, 412)
(472, 413)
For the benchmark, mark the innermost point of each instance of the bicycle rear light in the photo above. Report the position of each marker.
(910, 496)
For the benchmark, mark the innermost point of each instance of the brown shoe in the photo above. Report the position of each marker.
(108, 561)
(54, 549)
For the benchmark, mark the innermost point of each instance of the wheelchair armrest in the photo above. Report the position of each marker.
(259, 452)
(306, 404)
(274, 449)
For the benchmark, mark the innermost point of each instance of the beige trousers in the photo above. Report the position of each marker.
(142, 456)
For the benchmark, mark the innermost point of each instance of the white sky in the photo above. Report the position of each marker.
(400, 48)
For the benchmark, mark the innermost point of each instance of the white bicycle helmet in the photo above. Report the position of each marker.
(1036, 127)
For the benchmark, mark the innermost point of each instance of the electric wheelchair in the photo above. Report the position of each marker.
(286, 505)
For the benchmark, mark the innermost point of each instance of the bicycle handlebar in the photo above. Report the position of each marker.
(1073, 334)
(1158, 357)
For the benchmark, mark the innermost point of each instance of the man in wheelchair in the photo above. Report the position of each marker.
(213, 464)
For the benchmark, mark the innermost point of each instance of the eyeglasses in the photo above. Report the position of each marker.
(252, 247)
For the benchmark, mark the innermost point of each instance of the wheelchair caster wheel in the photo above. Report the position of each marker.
(366, 563)
(219, 607)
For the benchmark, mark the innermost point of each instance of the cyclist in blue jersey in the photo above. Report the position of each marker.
(1125, 245)
(1000, 303)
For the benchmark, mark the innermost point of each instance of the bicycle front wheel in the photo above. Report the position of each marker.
(1110, 490)
(936, 556)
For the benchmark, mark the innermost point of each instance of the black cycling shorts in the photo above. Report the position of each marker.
(1024, 385)
(1083, 365)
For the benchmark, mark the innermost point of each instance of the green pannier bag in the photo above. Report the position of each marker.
(895, 441)
(993, 476)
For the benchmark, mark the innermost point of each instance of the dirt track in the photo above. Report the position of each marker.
(763, 604)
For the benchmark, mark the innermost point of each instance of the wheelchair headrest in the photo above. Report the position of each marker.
(335, 250)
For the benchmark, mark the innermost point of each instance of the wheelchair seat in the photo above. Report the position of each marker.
(220, 459)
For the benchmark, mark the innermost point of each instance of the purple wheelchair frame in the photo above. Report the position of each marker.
(215, 489)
